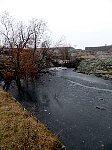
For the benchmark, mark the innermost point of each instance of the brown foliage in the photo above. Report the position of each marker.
(21, 60)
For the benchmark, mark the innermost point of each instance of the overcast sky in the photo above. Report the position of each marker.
(80, 22)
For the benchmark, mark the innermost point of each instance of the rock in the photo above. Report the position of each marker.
(63, 148)
(101, 108)
(45, 110)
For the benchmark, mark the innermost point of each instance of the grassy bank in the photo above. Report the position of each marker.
(20, 131)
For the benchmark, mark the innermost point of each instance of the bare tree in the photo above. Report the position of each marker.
(38, 28)
(17, 38)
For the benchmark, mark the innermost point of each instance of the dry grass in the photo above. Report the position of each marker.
(20, 131)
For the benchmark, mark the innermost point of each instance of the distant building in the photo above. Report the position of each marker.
(70, 50)
(94, 50)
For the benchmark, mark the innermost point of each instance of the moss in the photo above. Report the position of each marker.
(98, 75)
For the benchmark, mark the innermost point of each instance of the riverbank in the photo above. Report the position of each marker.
(20, 130)
(98, 66)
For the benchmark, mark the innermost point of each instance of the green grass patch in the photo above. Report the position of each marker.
(98, 74)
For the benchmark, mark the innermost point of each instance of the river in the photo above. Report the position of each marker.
(77, 108)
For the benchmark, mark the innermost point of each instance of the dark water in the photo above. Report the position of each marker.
(77, 108)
